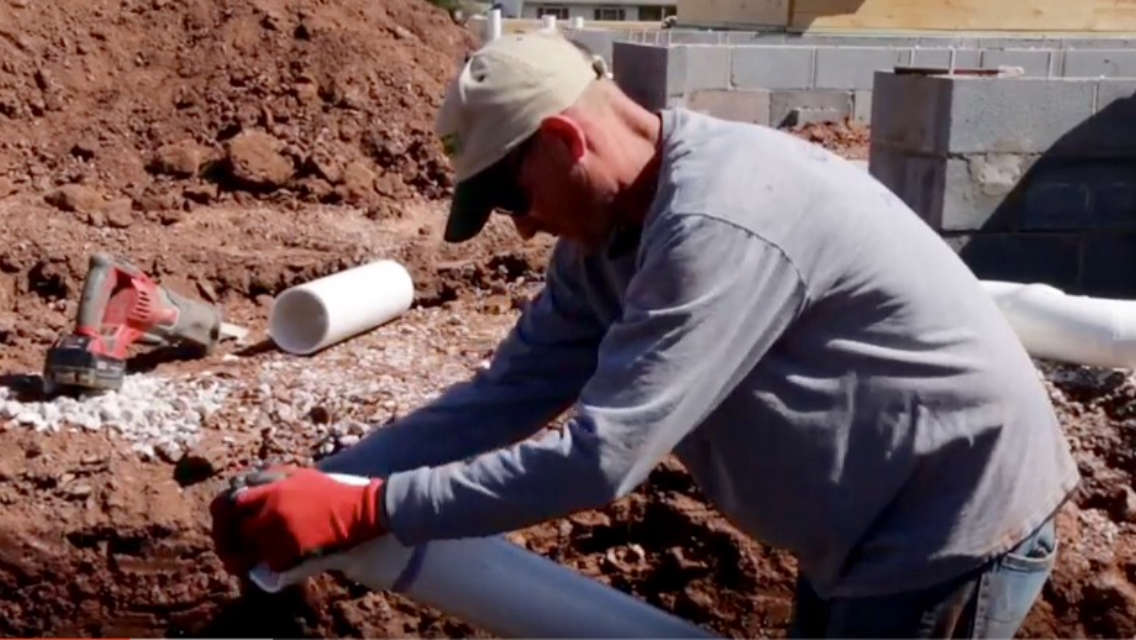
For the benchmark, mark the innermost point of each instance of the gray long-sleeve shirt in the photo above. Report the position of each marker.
(829, 371)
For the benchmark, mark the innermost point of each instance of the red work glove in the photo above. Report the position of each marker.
(285, 515)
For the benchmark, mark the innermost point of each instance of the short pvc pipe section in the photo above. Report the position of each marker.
(318, 314)
(1095, 332)
(494, 585)
(493, 26)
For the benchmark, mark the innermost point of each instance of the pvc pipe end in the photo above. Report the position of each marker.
(299, 321)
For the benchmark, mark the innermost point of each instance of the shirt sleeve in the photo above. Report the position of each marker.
(707, 302)
(536, 373)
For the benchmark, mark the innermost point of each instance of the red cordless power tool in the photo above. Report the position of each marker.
(120, 307)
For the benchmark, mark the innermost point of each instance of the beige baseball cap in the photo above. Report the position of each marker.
(498, 100)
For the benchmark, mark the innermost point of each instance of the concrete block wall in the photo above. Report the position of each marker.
(1030, 179)
(778, 79)
(602, 40)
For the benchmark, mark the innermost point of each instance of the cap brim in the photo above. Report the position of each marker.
(474, 200)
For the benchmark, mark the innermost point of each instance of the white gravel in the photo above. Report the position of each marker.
(148, 411)
(335, 396)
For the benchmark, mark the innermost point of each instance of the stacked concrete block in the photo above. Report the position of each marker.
(784, 79)
(1030, 179)
(774, 85)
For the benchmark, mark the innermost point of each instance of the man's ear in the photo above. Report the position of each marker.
(568, 132)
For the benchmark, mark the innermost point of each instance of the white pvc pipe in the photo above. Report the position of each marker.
(494, 585)
(493, 25)
(578, 22)
(548, 22)
(1096, 332)
(323, 312)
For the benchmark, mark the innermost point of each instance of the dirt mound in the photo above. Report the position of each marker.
(159, 105)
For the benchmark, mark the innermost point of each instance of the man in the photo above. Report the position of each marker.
(829, 371)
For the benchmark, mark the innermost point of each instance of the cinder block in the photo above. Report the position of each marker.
(1099, 43)
(695, 37)
(922, 186)
(950, 42)
(1054, 259)
(695, 67)
(1034, 62)
(1014, 115)
(976, 192)
(799, 117)
(1053, 203)
(1056, 63)
(1106, 265)
(910, 112)
(862, 106)
(763, 67)
(1072, 194)
(886, 164)
(853, 68)
(967, 59)
(1112, 129)
(641, 71)
(742, 105)
(597, 41)
(782, 104)
(1017, 43)
(853, 41)
(751, 37)
(921, 57)
(1100, 64)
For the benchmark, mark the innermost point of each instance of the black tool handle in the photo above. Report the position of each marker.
(96, 292)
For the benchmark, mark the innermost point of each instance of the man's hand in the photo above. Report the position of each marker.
(285, 515)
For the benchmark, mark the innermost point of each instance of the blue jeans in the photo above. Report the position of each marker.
(990, 602)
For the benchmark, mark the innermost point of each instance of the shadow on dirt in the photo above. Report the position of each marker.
(24, 387)
(256, 614)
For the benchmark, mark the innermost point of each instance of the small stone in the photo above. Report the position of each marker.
(85, 149)
(78, 491)
(320, 415)
(182, 160)
(256, 159)
(1124, 505)
(154, 200)
(118, 213)
(358, 180)
(170, 217)
(75, 198)
(201, 193)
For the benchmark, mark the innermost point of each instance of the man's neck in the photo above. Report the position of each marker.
(632, 204)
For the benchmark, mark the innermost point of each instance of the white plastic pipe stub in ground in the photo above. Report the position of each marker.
(1095, 332)
(493, 585)
(493, 26)
(317, 314)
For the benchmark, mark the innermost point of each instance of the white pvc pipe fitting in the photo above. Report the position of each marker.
(493, 25)
(1095, 332)
(317, 314)
(494, 585)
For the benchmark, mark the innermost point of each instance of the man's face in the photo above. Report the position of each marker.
(558, 192)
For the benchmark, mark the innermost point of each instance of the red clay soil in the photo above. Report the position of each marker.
(233, 149)
(155, 106)
(847, 138)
